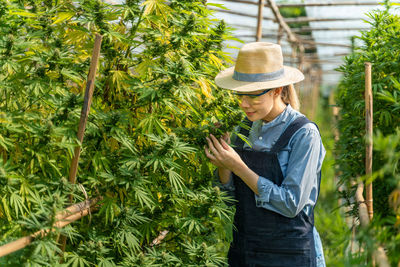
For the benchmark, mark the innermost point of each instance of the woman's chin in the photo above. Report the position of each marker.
(252, 116)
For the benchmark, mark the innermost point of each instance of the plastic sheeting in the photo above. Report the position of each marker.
(330, 57)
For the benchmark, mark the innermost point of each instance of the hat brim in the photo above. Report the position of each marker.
(224, 80)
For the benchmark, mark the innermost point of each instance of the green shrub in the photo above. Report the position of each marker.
(380, 46)
(154, 102)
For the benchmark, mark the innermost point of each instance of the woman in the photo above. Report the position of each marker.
(276, 180)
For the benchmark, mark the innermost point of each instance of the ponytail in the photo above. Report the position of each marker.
(289, 96)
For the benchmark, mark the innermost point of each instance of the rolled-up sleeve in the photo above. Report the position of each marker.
(300, 185)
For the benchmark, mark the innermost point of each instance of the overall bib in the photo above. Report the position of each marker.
(262, 237)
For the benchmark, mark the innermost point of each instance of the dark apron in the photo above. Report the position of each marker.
(262, 237)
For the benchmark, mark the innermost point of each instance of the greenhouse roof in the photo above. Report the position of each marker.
(331, 25)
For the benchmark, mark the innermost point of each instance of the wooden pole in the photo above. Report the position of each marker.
(63, 218)
(275, 10)
(287, 20)
(280, 34)
(159, 238)
(327, 3)
(369, 141)
(311, 29)
(316, 83)
(86, 107)
(238, 13)
(76, 208)
(84, 116)
(295, 42)
(308, 19)
(379, 254)
(331, 3)
(259, 20)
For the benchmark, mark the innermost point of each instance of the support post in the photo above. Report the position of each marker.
(86, 107)
(292, 38)
(63, 218)
(280, 34)
(259, 20)
(84, 116)
(369, 141)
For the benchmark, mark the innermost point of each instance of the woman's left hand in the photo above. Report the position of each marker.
(221, 154)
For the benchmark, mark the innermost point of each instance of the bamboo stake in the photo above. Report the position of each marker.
(280, 35)
(291, 36)
(159, 238)
(64, 218)
(76, 208)
(259, 20)
(316, 83)
(379, 254)
(362, 207)
(369, 141)
(86, 107)
(84, 116)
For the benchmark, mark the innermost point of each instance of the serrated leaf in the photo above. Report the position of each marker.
(62, 16)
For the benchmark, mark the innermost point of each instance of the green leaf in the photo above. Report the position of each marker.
(6, 209)
(17, 203)
(23, 13)
(176, 180)
(63, 16)
(143, 196)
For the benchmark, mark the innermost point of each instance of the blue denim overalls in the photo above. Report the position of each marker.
(262, 237)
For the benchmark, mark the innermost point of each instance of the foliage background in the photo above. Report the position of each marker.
(154, 101)
(380, 47)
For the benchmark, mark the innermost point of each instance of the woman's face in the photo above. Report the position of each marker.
(263, 107)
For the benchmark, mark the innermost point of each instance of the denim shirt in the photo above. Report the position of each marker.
(300, 161)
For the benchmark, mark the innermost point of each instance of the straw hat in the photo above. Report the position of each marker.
(258, 66)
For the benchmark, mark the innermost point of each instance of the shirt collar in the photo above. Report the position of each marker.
(281, 118)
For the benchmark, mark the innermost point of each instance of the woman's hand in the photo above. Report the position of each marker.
(221, 154)
(226, 159)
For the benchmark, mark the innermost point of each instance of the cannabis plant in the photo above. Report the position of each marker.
(154, 102)
(380, 46)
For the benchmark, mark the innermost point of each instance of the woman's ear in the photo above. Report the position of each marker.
(278, 91)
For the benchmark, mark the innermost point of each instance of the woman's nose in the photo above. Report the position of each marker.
(244, 103)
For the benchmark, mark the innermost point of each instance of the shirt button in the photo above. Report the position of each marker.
(260, 138)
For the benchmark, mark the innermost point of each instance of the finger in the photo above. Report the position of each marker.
(227, 138)
(212, 147)
(225, 144)
(216, 143)
(208, 154)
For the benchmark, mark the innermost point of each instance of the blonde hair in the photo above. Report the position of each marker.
(289, 96)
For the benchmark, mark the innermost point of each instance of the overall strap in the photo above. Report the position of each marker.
(288, 133)
(243, 131)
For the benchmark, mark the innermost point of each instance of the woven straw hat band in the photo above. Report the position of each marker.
(258, 62)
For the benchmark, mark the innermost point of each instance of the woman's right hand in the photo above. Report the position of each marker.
(226, 137)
